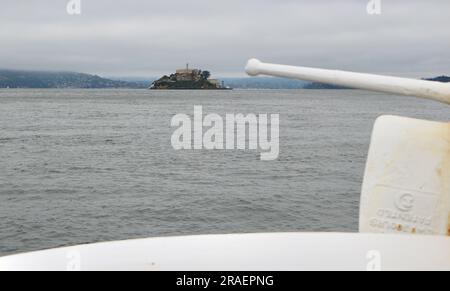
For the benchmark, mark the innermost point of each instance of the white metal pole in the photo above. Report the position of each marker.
(395, 85)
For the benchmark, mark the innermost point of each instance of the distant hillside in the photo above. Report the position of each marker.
(36, 79)
(321, 86)
(442, 79)
(263, 83)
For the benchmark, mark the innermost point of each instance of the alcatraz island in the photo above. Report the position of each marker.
(189, 79)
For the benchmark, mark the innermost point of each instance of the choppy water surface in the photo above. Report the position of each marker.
(82, 166)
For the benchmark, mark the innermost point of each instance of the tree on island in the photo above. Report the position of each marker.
(206, 75)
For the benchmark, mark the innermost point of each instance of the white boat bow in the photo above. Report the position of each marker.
(247, 252)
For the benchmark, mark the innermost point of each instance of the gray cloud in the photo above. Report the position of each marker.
(148, 38)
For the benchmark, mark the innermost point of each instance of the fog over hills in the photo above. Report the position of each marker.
(42, 79)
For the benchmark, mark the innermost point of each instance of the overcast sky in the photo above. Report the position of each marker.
(150, 38)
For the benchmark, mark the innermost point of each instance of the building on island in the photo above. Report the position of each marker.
(188, 74)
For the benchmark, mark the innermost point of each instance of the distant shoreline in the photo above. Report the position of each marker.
(14, 79)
